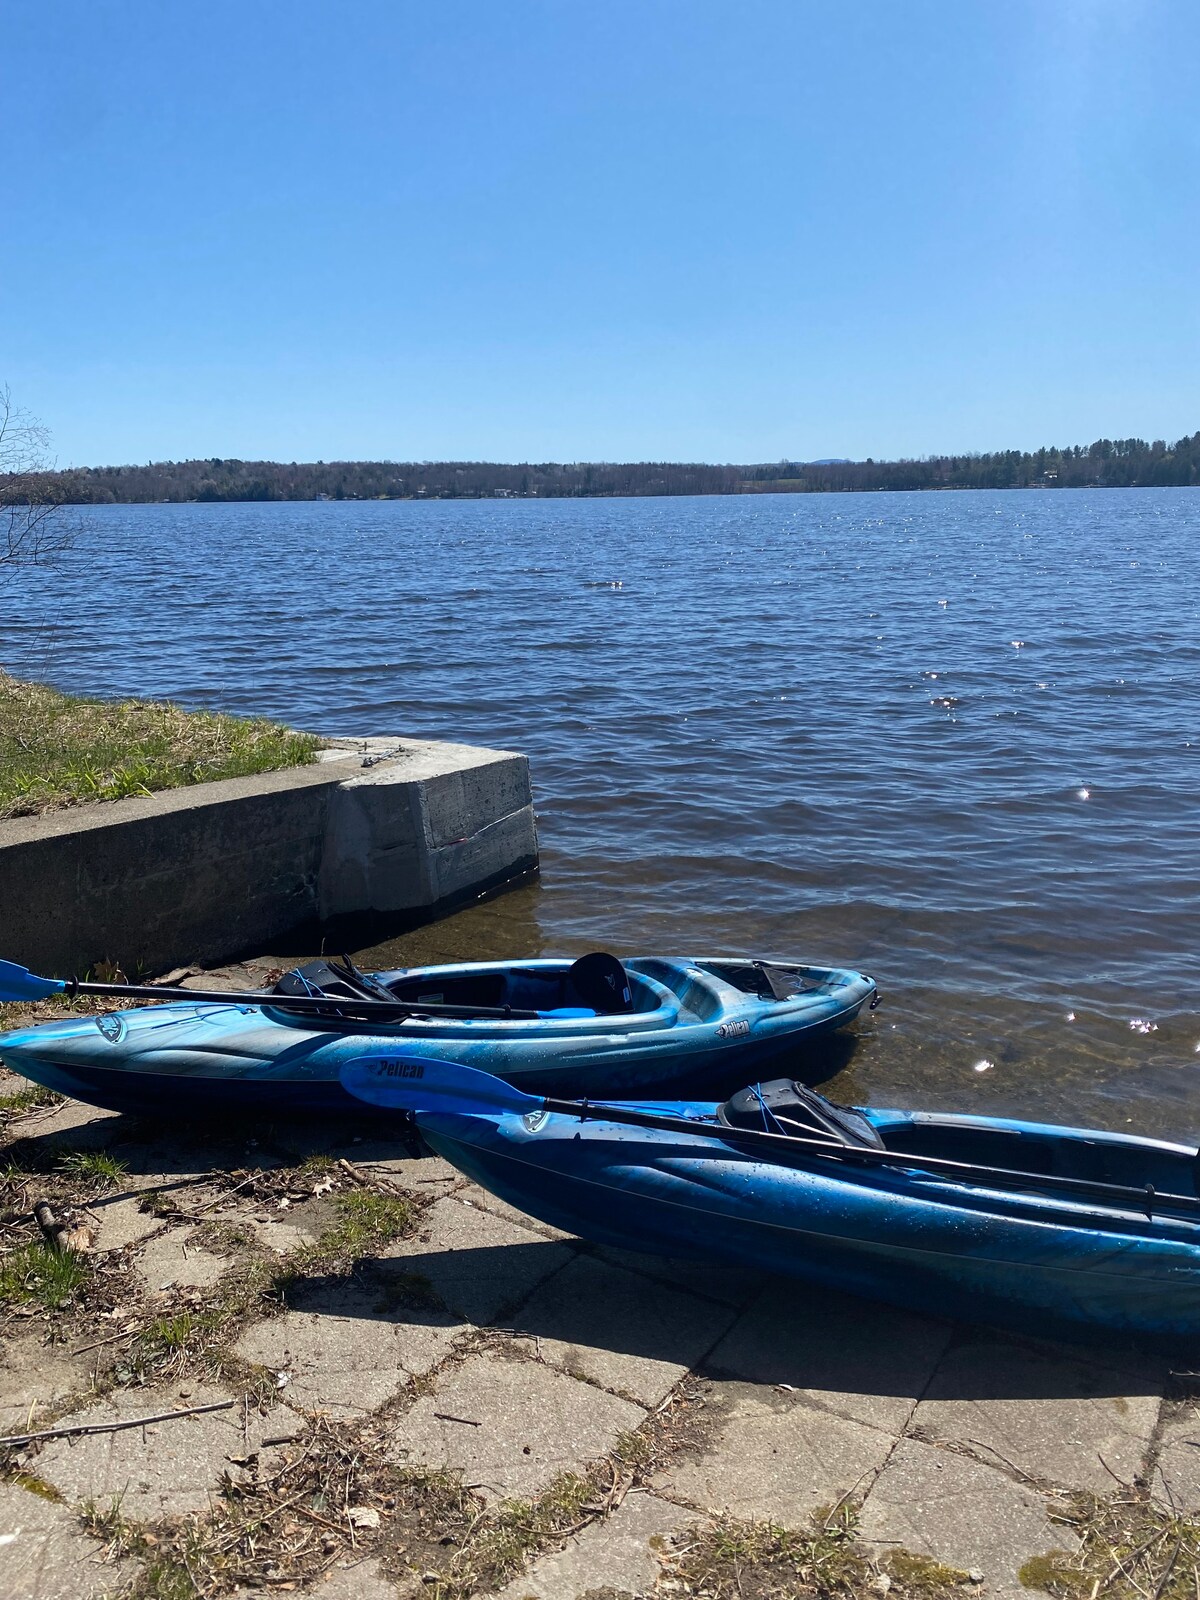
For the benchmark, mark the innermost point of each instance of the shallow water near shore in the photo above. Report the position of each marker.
(947, 738)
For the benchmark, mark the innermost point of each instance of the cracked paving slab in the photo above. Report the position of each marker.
(622, 1331)
(345, 1349)
(945, 1505)
(770, 1455)
(853, 1357)
(1043, 1414)
(167, 1468)
(44, 1555)
(1176, 1482)
(476, 1263)
(619, 1555)
(34, 1376)
(511, 1426)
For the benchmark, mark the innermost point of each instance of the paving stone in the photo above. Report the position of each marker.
(123, 1222)
(618, 1555)
(859, 1359)
(70, 1126)
(1054, 1417)
(427, 1176)
(361, 1580)
(471, 1194)
(941, 1504)
(172, 1261)
(521, 1425)
(45, 1556)
(166, 1468)
(1176, 1481)
(734, 1286)
(474, 1261)
(33, 1376)
(345, 1350)
(771, 1455)
(622, 1331)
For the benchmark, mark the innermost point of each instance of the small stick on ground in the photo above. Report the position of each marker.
(114, 1427)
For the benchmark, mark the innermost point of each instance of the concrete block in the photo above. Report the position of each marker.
(202, 874)
(711, 1280)
(623, 1332)
(123, 1222)
(166, 1469)
(474, 1262)
(773, 1456)
(435, 823)
(45, 1556)
(172, 1261)
(1054, 1418)
(941, 1504)
(849, 1356)
(33, 1377)
(1176, 1482)
(511, 1426)
(344, 1350)
(616, 1557)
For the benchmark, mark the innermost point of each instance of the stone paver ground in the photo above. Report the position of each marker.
(509, 1353)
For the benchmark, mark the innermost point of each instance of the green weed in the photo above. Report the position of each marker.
(35, 1272)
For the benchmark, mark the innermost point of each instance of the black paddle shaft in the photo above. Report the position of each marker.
(301, 1002)
(780, 1143)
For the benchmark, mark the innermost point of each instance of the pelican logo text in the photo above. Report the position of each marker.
(402, 1069)
(733, 1030)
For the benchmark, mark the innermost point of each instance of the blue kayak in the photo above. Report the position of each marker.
(656, 1024)
(1021, 1224)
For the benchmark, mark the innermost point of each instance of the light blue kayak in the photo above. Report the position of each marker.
(1039, 1228)
(672, 1023)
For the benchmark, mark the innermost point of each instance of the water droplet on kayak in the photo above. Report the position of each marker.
(1071, 1018)
(1084, 794)
(1141, 1025)
(984, 1066)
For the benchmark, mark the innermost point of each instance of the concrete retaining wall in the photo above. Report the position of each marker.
(376, 835)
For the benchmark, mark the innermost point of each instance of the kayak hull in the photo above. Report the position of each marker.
(692, 1029)
(1035, 1264)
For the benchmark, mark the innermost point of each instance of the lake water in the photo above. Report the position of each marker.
(948, 738)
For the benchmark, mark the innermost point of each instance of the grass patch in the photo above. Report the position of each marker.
(28, 1099)
(58, 749)
(365, 1222)
(36, 1273)
(1129, 1549)
(94, 1167)
(734, 1560)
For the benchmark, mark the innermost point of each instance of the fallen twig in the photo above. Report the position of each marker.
(114, 1427)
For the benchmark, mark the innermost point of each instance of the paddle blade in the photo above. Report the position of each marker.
(18, 983)
(418, 1083)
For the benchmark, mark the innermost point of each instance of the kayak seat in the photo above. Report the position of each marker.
(600, 982)
(784, 1106)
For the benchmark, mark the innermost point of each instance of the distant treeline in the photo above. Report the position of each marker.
(1109, 463)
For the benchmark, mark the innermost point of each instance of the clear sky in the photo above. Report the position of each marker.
(599, 229)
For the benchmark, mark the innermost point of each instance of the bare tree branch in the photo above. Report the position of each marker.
(31, 532)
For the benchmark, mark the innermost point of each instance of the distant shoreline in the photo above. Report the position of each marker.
(1107, 464)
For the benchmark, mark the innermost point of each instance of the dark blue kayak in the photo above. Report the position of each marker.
(1025, 1225)
(662, 1024)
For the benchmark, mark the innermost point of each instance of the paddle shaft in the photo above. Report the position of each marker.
(778, 1143)
(297, 1002)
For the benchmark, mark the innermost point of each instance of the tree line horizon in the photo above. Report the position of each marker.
(1107, 463)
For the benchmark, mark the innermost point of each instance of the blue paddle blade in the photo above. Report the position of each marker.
(18, 983)
(404, 1082)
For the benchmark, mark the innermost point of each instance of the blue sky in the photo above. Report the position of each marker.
(592, 229)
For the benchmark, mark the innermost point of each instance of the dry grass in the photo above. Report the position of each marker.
(57, 749)
(733, 1560)
(1130, 1549)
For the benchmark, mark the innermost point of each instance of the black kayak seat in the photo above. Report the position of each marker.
(783, 1106)
(601, 983)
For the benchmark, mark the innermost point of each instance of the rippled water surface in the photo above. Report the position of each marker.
(948, 738)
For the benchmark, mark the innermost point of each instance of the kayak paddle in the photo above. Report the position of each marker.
(18, 983)
(409, 1083)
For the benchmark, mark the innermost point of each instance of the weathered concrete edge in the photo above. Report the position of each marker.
(205, 873)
